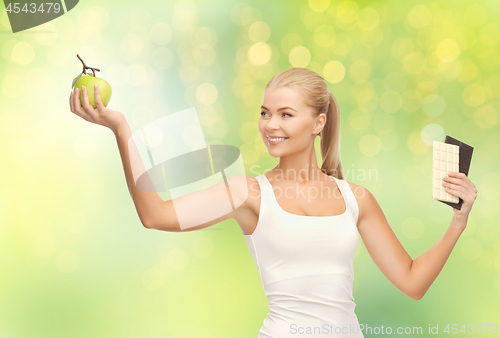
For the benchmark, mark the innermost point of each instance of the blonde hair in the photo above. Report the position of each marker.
(317, 96)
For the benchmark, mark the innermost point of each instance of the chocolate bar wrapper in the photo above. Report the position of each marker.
(464, 159)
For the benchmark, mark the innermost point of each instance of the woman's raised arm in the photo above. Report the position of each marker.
(189, 212)
(197, 210)
(427, 266)
(413, 277)
(146, 203)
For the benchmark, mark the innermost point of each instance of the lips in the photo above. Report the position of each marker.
(274, 137)
(278, 140)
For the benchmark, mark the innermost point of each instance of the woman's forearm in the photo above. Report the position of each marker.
(147, 203)
(426, 267)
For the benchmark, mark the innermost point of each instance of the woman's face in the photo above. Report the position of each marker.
(284, 114)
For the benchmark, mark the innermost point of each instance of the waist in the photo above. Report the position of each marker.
(315, 297)
(343, 325)
(323, 288)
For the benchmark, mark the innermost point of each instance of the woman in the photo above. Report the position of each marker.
(301, 223)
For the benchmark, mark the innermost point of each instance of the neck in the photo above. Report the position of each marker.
(301, 167)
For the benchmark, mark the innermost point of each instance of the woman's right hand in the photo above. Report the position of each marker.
(101, 115)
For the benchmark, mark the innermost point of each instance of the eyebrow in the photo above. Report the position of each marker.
(279, 109)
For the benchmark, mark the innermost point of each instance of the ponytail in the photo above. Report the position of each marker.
(330, 141)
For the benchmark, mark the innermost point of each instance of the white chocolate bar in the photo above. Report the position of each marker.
(445, 158)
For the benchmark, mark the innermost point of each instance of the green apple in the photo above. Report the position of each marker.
(89, 80)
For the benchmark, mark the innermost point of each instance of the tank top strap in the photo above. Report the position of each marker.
(266, 191)
(349, 197)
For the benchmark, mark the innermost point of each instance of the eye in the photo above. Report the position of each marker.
(261, 113)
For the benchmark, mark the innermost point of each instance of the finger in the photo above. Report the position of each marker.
(457, 186)
(456, 192)
(97, 97)
(72, 104)
(466, 179)
(86, 102)
(466, 195)
(77, 108)
(87, 107)
(459, 178)
(76, 100)
(453, 186)
(452, 180)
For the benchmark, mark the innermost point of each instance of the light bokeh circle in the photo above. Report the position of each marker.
(299, 56)
(334, 71)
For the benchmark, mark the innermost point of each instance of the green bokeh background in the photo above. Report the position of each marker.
(75, 260)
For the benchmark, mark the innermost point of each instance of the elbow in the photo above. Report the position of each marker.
(160, 227)
(411, 291)
(415, 295)
(147, 225)
(418, 297)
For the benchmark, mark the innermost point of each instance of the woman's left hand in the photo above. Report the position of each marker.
(458, 184)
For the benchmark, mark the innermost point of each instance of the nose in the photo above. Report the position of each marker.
(272, 125)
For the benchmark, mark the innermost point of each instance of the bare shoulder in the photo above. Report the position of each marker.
(252, 200)
(364, 197)
(247, 212)
(359, 191)
(244, 187)
(245, 192)
(370, 213)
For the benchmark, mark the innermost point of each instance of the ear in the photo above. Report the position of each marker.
(320, 123)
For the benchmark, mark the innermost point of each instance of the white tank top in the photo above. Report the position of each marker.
(306, 268)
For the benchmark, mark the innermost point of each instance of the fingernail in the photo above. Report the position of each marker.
(83, 88)
(95, 86)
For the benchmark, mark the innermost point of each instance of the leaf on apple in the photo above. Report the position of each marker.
(75, 79)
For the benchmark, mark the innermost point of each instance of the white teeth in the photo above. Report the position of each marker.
(276, 139)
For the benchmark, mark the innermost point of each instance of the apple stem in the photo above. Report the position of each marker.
(87, 67)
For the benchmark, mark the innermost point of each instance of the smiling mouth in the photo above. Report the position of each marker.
(276, 140)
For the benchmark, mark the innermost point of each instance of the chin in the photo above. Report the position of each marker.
(275, 154)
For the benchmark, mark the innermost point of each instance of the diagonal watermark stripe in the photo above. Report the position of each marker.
(28, 14)
(171, 153)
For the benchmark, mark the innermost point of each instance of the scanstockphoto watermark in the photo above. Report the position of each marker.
(326, 329)
(340, 331)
